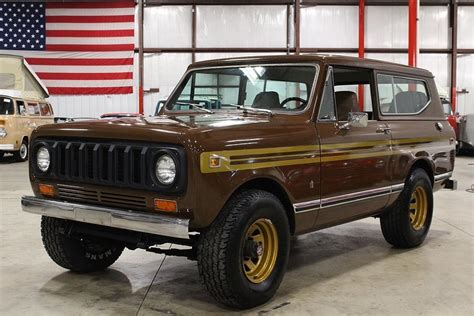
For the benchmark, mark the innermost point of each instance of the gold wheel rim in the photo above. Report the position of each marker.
(260, 250)
(418, 208)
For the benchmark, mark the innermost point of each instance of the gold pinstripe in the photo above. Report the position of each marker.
(298, 155)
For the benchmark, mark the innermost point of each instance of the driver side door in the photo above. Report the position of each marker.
(355, 171)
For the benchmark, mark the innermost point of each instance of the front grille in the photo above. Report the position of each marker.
(113, 163)
(79, 194)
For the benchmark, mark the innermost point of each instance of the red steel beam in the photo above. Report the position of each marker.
(361, 48)
(412, 32)
(140, 57)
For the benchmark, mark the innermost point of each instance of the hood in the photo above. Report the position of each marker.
(167, 129)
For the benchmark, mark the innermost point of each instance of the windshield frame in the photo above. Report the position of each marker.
(315, 65)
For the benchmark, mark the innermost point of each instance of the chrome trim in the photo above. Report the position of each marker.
(398, 187)
(314, 205)
(443, 176)
(7, 146)
(125, 219)
(356, 200)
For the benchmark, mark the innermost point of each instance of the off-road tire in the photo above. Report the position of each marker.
(219, 250)
(395, 222)
(75, 254)
(18, 154)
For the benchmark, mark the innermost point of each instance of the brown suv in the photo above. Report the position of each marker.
(246, 153)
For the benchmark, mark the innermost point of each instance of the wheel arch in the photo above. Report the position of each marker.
(426, 165)
(272, 186)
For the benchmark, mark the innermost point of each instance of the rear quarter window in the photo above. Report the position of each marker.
(401, 96)
(45, 109)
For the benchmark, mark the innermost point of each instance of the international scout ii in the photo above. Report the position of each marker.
(282, 146)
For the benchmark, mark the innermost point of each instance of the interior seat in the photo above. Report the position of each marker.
(267, 100)
(409, 102)
(346, 101)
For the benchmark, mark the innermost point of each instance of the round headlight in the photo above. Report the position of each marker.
(165, 170)
(43, 159)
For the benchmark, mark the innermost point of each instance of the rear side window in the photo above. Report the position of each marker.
(33, 109)
(45, 109)
(399, 95)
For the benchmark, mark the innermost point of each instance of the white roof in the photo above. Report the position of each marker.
(17, 79)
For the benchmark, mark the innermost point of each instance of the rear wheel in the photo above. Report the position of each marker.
(407, 222)
(242, 257)
(85, 254)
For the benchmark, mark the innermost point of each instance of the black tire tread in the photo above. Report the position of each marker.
(211, 262)
(53, 242)
(393, 219)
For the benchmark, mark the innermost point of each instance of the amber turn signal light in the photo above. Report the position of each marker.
(166, 205)
(46, 189)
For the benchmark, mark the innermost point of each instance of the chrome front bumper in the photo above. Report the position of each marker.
(7, 147)
(148, 223)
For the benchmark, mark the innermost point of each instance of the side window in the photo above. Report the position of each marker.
(45, 110)
(20, 106)
(398, 95)
(33, 109)
(327, 110)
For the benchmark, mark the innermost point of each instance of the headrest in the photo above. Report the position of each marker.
(267, 100)
(346, 101)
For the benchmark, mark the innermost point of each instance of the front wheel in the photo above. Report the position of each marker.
(22, 154)
(81, 254)
(407, 222)
(242, 257)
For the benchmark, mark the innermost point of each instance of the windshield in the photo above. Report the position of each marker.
(274, 88)
(6, 106)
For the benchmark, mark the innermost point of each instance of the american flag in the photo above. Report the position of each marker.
(74, 47)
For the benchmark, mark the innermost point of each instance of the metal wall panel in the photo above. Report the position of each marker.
(394, 58)
(162, 71)
(434, 27)
(465, 27)
(439, 65)
(386, 27)
(465, 104)
(329, 26)
(241, 26)
(167, 26)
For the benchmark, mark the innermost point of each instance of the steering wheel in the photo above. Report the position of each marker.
(303, 101)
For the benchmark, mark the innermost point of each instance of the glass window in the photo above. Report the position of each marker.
(45, 110)
(277, 88)
(327, 109)
(33, 109)
(20, 107)
(6, 107)
(399, 95)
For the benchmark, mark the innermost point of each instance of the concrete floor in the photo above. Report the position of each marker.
(348, 269)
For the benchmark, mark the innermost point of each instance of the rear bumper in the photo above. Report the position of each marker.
(148, 223)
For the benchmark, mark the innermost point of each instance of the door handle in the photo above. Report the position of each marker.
(385, 130)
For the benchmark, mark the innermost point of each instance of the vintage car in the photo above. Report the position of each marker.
(23, 106)
(291, 149)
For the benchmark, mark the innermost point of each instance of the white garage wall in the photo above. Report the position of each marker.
(341, 22)
(434, 27)
(386, 27)
(241, 26)
(167, 26)
(465, 80)
(163, 71)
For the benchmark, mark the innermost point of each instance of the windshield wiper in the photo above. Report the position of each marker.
(253, 110)
(195, 106)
